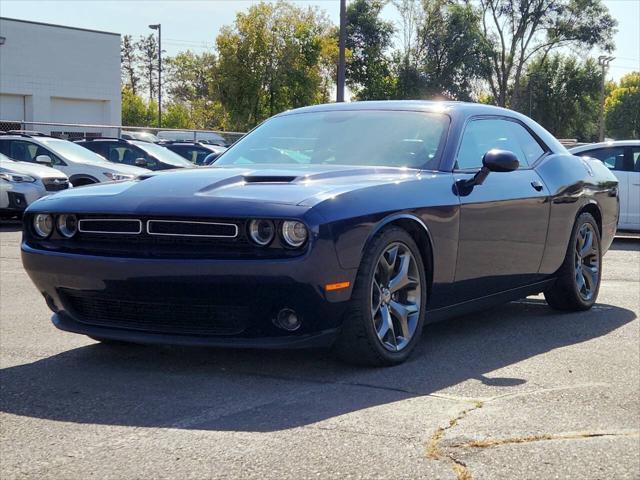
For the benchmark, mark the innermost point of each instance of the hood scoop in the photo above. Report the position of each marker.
(268, 179)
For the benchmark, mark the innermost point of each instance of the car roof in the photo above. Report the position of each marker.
(613, 143)
(435, 106)
(459, 112)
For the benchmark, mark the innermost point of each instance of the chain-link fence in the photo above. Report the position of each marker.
(77, 131)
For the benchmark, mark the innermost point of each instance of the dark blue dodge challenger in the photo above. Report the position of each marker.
(344, 225)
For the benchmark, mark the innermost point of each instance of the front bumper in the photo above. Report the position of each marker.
(320, 339)
(161, 300)
(16, 197)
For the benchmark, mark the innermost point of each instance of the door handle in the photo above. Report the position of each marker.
(537, 185)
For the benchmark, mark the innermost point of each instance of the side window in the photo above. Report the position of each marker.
(5, 147)
(184, 151)
(635, 156)
(97, 147)
(612, 157)
(55, 160)
(480, 136)
(20, 151)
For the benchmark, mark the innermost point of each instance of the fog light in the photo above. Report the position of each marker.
(43, 224)
(288, 319)
(67, 225)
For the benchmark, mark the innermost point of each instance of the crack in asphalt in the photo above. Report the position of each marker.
(493, 442)
(435, 452)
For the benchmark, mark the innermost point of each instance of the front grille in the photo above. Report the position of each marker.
(110, 226)
(55, 184)
(182, 228)
(174, 316)
(152, 237)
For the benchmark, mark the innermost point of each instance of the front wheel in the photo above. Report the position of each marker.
(385, 321)
(578, 283)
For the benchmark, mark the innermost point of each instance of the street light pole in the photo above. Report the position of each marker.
(341, 47)
(603, 61)
(158, 27)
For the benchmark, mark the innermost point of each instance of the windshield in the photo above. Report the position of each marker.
(377, 138)
(72, 151)
(163, 154)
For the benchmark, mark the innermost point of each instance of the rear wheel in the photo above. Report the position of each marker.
(578, 282)
(386, 317)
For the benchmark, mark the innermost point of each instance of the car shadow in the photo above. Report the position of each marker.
(10, 225)
(234, 390)
(628, 244)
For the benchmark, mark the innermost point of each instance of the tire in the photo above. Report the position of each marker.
(368, 335)
(578, 280)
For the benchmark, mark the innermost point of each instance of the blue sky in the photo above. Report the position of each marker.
(193, 25)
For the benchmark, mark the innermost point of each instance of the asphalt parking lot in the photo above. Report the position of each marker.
(518, 391)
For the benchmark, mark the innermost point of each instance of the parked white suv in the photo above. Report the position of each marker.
(23, 183)
(82, 166)
(623, 158)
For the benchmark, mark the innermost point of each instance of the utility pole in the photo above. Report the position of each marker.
(341, 47)
(158, 27)
(603, 61)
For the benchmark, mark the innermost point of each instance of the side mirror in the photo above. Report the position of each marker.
(500, 161)
(493, 161)
(140, 162)
(44, 159)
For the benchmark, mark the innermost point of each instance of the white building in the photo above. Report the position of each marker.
(53, 73)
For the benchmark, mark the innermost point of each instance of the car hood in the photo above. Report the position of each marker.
(227, 189)
(33, 169)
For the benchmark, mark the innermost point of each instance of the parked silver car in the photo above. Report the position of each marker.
(22, 183)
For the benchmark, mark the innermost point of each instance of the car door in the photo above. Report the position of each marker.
(618, 160)
(633, 179)
(503, 222)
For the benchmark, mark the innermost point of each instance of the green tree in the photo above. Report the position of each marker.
(444, 52)
(562, 94)
(192, 80)
(451, 52)
(148, 54)
(129, 64)
(368, 40)
(134, 109)
(177, 115)
(270, 60)
(192, 76)
(522, 29)
(622, 108)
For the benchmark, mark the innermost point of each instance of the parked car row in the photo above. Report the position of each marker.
(210, 138)
(623, 159)
(35, 164)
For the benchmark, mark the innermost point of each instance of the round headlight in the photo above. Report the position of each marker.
(67, 225)
(294, 233)
(43, 224)
(262, 231)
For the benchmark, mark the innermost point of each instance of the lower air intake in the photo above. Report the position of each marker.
(177, 317)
